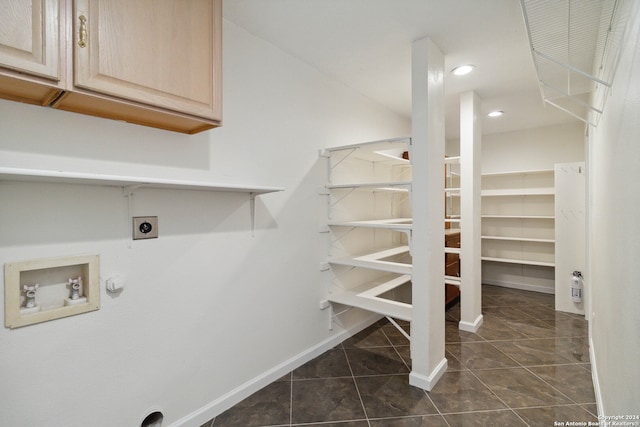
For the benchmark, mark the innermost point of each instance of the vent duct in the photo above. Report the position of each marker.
(575, 46)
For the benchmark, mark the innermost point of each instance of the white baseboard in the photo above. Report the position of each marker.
(521, 286)
(427, 383)
(216, 407)
(471, 326)
(594, 378)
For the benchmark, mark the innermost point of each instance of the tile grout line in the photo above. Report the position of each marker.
(409, 368)
(526, 368)
(498, 397)
(395, 349)
(550, 385)
(491, 390)
(355, 383)
(291, 399)
(522, 366)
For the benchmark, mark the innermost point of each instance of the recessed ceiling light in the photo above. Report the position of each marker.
(496, 113)
(463, 69)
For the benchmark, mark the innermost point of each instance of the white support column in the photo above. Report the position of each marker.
(427, 245)
(470, 220)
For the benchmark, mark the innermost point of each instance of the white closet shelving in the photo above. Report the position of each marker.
(370, 223)
(452, 225)
(518, 218)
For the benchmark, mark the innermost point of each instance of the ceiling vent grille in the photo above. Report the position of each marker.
(575, 47)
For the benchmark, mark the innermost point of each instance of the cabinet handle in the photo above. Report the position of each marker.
(82, 33)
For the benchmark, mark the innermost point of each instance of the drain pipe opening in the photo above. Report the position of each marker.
(154, 419)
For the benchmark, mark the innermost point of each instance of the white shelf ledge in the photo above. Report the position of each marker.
(519, 216)
(388, 152)
(384, 186)
(519, 239)
(524, 172)
(544, 191)
(519, 261)
(452, 160)
(375, 261)
(452, 280)
(397, 224)
(37, 175)
(367, 297)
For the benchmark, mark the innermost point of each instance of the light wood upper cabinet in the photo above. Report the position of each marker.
(30, 48)
(156, 52)
(151, 62)
(29, 36)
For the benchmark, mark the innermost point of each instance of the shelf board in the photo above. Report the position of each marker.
(524, 172)
(519, 216)
(37, 175)
(374, 261)
(519, 261)
(452, 280)
(544, 191)
(519, 239)
(452, 160)
(367, 297)
(397, 224)
(384, 186)
(387, 150)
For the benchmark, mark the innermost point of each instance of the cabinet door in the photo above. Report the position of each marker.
(29, 37)
(164, 53)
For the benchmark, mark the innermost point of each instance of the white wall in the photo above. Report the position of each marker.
(538, 148)
(207, 307)
(614, 201)
(529, 149)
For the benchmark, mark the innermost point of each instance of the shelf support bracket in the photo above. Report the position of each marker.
(128, 192)
(339, 199)
(343, 235)
(351, 151)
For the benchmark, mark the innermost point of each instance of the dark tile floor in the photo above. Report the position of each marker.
(527, 365)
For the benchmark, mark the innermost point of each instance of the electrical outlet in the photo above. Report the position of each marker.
(145, 227)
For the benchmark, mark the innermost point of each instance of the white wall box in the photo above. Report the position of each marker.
(52, 298)
(103, 58)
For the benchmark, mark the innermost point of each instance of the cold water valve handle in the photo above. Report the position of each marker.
(30, 294)
(75, 285)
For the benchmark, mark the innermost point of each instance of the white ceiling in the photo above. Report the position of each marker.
(366, 44)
